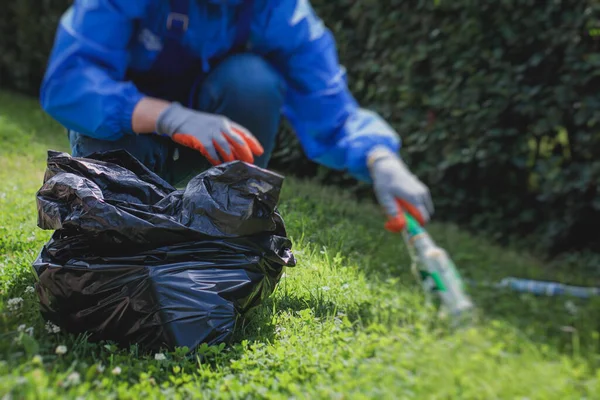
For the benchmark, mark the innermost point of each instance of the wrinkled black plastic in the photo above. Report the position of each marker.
(134, 260)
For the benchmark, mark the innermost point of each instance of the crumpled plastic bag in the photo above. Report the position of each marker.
(135, 261)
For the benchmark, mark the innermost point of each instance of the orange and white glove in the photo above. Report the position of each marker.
(398, 190)
(215, 136)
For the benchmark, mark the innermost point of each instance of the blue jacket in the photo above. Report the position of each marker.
(85, 86)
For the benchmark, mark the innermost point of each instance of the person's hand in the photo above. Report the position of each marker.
(209, 134)
(398, 190)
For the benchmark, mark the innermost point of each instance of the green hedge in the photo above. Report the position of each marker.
(26, 34)
(497, 102)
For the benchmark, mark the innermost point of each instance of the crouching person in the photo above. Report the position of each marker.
(185, 84)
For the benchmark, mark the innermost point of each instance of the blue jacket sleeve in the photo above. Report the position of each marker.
(83, 87)
(331, 127)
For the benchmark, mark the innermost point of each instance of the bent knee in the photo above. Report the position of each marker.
(249, 74)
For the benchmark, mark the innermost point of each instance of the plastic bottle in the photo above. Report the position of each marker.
(437, 273)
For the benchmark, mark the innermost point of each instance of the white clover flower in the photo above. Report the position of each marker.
(51, 328)
(160, 356)
(100, 368)
(345, 286)
(568, 329)
(571, 307)
(15, 303)
(116, 370)
(62, 349)
(279, 329)
(74, 378)
(22, 328)
(325, 288)
(29, 289)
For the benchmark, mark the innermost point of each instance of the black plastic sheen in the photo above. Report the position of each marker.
(134, 260)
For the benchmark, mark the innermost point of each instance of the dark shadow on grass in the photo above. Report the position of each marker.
(258, 325)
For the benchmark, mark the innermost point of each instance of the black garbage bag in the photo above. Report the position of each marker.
(136, 261)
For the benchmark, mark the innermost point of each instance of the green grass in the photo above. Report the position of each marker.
(348, 321)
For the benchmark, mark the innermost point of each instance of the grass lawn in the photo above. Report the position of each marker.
(347, 322)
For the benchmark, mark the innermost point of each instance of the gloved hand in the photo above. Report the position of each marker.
(397, 189)
(209, 134)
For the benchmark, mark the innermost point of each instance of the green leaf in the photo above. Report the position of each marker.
(30, 345)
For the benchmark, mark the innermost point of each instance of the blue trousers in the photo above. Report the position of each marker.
(243, 87)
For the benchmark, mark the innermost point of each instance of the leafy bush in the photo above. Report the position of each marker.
(27, 30)
(497, 102)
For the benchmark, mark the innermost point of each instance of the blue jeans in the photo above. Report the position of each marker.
(243, 87)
